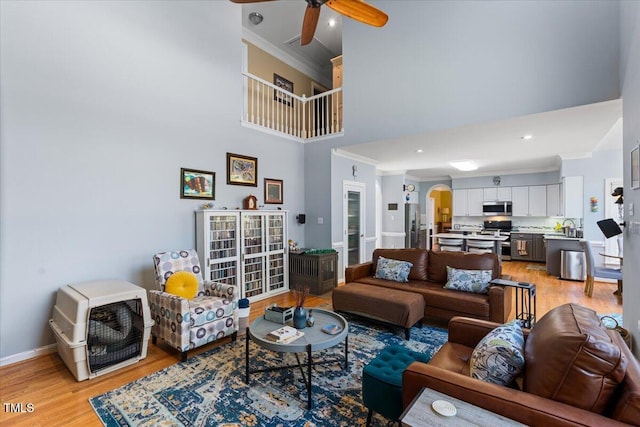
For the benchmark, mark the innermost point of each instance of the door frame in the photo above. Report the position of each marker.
(359, 187)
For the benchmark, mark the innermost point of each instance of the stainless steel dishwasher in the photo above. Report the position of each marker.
(573, 265)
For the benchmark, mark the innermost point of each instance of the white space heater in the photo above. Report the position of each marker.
(101, 326)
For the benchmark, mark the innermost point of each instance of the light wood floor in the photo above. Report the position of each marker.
(58, 399)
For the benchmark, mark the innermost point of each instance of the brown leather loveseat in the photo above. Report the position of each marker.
(427, 278)
(576, 372)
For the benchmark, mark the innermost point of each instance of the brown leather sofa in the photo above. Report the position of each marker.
(427, 278)
(576, 372)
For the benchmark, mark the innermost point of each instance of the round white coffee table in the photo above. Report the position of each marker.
(314, 339)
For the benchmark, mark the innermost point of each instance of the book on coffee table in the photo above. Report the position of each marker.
(332, 329)
(285, 334)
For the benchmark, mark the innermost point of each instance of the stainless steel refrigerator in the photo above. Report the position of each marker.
(411, 225)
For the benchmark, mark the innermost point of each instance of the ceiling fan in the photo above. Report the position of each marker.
(354, 9)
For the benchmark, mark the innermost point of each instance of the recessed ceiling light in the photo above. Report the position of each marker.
(526, 137)
(419, 150)
(332, 22)
(464, 165)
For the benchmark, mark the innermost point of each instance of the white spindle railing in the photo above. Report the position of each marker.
(275, 110)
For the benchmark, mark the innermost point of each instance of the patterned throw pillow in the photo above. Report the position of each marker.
(468, 280)
(499, 357)
(392, 269)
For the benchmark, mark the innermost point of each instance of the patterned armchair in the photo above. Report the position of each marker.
(189, 323)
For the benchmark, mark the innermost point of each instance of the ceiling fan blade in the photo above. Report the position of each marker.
(309, 24)
(249, 1)
(360, 11)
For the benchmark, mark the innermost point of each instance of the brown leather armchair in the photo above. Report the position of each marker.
(576, 373)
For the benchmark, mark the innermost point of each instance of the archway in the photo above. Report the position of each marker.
(439, 209)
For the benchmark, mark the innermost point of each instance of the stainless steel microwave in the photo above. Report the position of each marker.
(496, 208)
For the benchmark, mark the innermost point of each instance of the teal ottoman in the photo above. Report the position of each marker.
(382, 381)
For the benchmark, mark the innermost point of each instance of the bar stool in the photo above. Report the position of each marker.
(449, 244)
(480, 246)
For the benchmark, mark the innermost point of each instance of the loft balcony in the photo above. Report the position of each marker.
(271, 109)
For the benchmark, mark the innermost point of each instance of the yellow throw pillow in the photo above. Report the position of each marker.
(182, 283)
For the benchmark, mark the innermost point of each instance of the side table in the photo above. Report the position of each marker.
(525, 300)
(318, 271)
(421, 414)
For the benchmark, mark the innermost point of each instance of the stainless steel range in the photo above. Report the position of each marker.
(504, 228)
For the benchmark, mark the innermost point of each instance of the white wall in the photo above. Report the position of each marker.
(630, 77)
(102, 104)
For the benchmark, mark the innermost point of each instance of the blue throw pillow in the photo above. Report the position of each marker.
(499, 356)
(468, 280)
(391, 269)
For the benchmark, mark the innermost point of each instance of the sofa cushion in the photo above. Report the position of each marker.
(417, 257)
(468, 280)
(499, 356)
(571, 358)
(438, 262)
(392, 269)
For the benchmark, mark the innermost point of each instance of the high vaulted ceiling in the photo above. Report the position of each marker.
(496, 147)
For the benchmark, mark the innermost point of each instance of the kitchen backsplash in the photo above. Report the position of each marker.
(538, 223)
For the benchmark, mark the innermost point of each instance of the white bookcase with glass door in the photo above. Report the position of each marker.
(246, 248)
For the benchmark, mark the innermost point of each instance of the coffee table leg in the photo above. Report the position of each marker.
(346, 352)
(246, 358)
(309, 364)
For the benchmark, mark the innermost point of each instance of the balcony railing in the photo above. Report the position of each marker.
(274, 110)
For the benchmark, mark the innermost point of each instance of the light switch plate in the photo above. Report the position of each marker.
(320, 220)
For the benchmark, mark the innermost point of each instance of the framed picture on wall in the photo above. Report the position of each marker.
(284, 84)
(635, 167)
(197, 184)
(273, 191)
(242, 170)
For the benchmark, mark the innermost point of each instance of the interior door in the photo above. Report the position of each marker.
(353, 222)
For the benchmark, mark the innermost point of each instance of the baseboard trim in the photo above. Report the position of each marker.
(42, 351)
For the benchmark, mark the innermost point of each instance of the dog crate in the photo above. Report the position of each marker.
(101, 326)
(318, 271)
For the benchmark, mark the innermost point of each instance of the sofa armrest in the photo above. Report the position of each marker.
(517, 405)
(500, 303)
(358, 271)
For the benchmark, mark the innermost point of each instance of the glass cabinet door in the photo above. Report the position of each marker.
(353, 227)
(223, 249)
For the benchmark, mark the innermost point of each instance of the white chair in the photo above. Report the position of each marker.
(593, 271)
(451, 245)
(480, 246)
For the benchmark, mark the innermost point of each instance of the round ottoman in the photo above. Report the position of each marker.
(382, 381)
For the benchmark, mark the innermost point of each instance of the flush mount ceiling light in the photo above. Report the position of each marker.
(255, 18)
(419, 150)
(464, 165)
(332, 22)
(526, 137)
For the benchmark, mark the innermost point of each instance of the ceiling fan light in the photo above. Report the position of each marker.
(464, 165)
(332, 22)
(255, 18)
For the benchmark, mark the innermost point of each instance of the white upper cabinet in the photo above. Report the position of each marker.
(529, 201)
(468, 202)
(554, 202)
(497, 194)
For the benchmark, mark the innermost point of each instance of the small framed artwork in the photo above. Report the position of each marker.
(242, 170)
(635, 167)
(197, 184)
(273, 191)
(285, 85)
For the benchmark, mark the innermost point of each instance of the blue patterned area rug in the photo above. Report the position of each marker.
(209, 389)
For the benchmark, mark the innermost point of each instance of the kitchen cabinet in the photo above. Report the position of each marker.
(539, 249)
(521, 246)
(572, 192)
(468, 202)
(529, 201)
(554, 200)
(497, 194)
(245, 248)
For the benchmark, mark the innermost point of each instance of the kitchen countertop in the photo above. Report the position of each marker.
(471, 236)
(560, 237)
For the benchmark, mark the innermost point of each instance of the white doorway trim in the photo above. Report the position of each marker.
(430, 210)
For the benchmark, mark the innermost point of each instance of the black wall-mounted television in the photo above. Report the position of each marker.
(609, 227)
